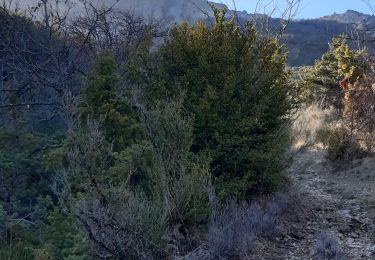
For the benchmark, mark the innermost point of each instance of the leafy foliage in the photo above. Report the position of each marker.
(22, 174)
(210, 101)
(63, 239)
(183, 175)
(343, 78)
(23, 190)
(321, 82)
(341, 145)
(359, 102)
(101, 101)
(143, 187)
(236, 87)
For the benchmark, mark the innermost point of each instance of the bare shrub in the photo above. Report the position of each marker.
(132, 228)
(229, 229)
(65, 38)
(327, 247)
(234, 227)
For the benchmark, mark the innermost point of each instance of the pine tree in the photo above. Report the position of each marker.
(63, 239)
(322, 81)
(101, 101)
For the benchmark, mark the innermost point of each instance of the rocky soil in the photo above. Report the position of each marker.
(336, 199)
(339, 199)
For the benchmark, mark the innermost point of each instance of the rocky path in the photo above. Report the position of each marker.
(336, 199)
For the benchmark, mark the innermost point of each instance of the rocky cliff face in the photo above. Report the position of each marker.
(170, 11)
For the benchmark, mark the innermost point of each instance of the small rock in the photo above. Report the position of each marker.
(344, 229)
(295, 236)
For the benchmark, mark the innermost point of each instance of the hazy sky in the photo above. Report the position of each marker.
(308, 8)
(186, 8)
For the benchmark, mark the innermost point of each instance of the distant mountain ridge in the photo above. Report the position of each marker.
(307, 39)
(350, 16)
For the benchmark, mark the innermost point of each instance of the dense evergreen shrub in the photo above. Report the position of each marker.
(236, 88)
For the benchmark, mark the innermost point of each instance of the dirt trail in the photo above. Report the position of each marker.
(339, 199)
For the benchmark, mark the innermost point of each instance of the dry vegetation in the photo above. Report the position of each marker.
(114, 148)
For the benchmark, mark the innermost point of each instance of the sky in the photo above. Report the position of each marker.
(308, 8)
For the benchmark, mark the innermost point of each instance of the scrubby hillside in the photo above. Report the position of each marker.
(122, 137)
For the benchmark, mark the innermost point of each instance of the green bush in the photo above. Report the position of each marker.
(237, 89)
(3, 219)
(100, 100)
(17, 251)
(323, 135)
(342, 146)
(142, 186)
(320, 83)
(63, 239)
